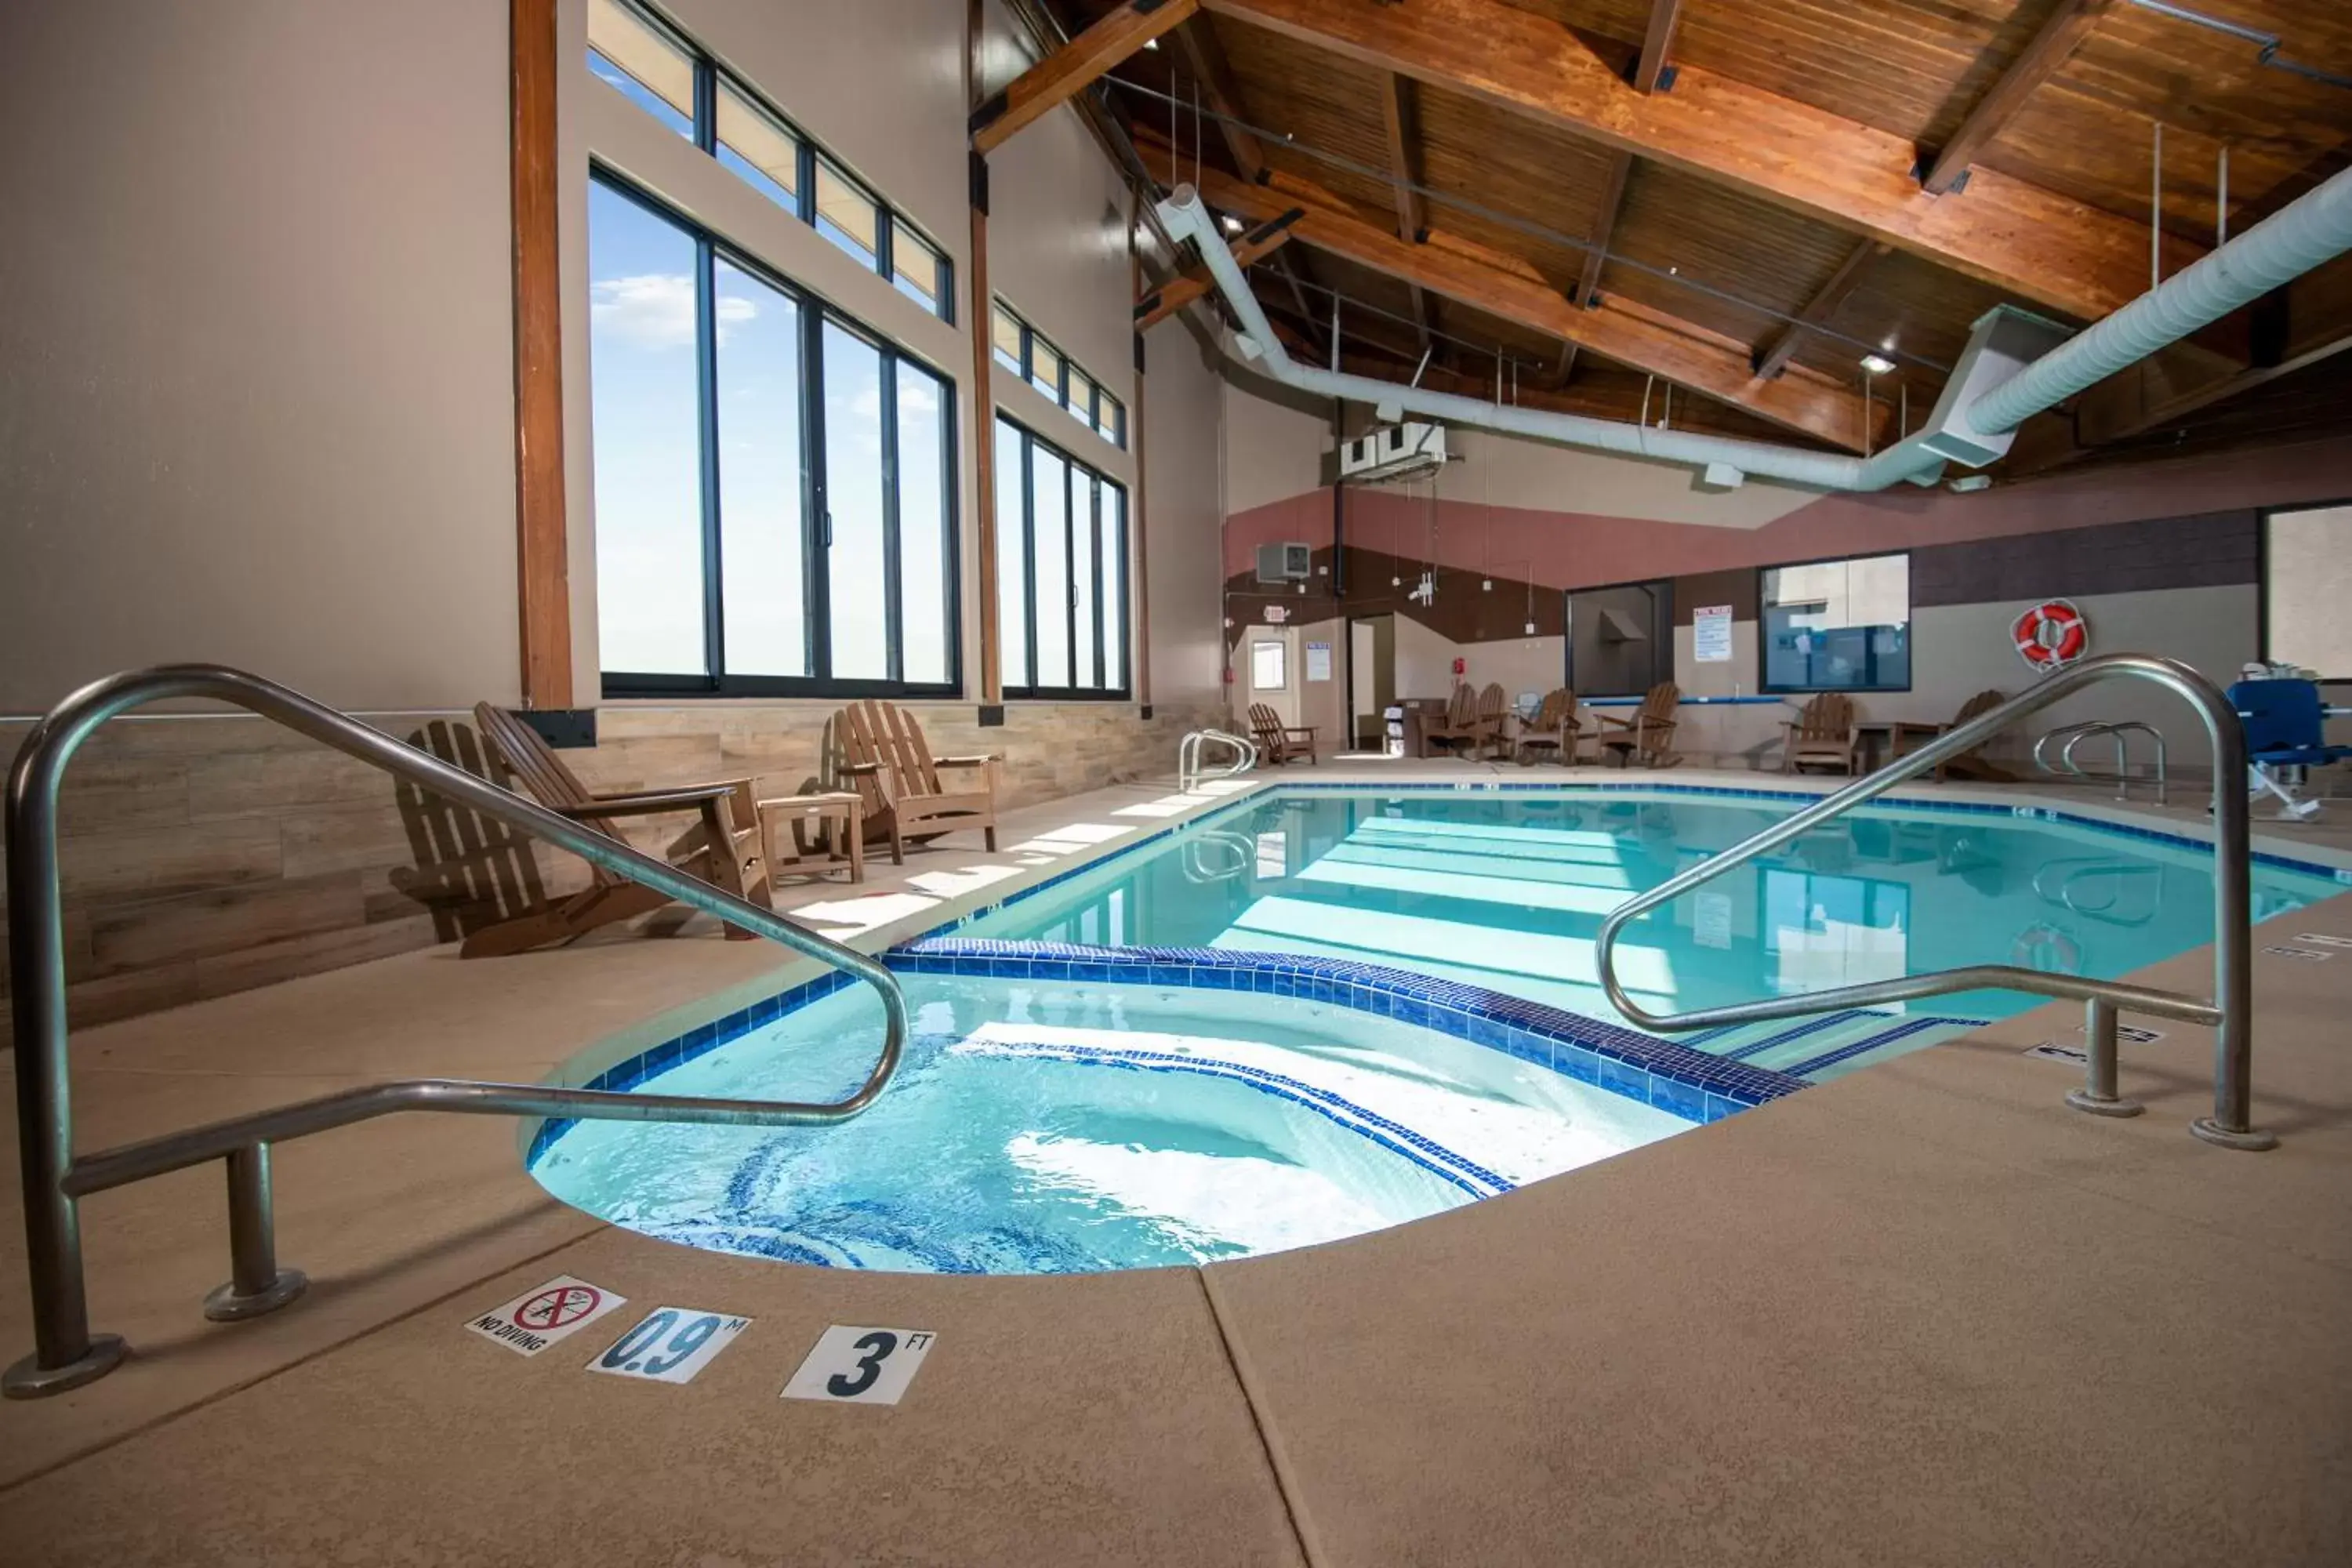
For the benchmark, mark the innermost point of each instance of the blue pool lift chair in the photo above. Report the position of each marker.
(2285, 739)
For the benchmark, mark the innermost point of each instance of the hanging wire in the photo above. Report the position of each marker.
(1533, 230)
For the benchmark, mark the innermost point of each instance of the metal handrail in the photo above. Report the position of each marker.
(1189, 772)
(66, 1353)
(2076, 734)
(1193, 864)
(2230, 1012)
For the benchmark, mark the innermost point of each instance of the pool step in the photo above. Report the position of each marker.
(1829, 1044)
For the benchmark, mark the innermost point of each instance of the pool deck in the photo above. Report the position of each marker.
(1922, 1314)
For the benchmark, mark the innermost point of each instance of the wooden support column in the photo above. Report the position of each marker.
(981, 322)
(1138, 555)
(544, 572)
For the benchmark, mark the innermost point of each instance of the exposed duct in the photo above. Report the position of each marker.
(2015, 365)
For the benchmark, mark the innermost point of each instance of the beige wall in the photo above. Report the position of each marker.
(1273, 451)
(258, 389)
(1511, 471)
(1183, 410)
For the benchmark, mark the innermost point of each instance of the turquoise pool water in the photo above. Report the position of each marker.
(1506, 891)
(1060, 1128)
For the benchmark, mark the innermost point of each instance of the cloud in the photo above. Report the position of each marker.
(656, 309)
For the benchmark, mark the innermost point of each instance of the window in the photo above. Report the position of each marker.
(1061, 571)
(1268, 666)
(1837, 625)
(2305, 584)
(774, 505)
(1621, 638)
(1027, 352)
(663, 73)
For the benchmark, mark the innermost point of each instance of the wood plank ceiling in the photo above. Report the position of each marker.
(1725, 195)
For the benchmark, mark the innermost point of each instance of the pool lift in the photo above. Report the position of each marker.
(2285, 736)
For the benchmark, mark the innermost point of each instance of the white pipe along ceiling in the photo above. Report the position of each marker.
(2015, 365)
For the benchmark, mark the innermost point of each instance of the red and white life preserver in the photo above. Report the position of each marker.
(2052, 635)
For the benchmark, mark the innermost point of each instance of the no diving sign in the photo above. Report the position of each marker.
(537, 1318)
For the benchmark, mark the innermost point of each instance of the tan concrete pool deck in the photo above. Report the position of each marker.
(1923, 1314)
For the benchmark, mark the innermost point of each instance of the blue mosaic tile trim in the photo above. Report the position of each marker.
(1672, 1077)
(1398, 1138)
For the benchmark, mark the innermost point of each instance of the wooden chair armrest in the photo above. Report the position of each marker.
(857, 768)
(648, 802)
(1306, 730)
(980, 760)
(1633, 723)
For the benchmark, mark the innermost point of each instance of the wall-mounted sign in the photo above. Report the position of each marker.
(1711, 634)
(1319, 661)
(1277, 614)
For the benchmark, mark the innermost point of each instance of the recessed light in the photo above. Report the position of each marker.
(1877, 364)
(1234, 226)
(1150, 43)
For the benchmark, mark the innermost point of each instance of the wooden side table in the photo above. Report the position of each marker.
(828, 835)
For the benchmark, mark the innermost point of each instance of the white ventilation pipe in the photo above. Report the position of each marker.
(1984, 401)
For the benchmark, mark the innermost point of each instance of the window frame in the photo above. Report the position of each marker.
(814, 311)
(1663, 594)
(708, 73)
(1059, 396)
(1122, 549)
(1764, 685)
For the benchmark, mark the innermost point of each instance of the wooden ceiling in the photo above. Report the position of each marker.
(1762, 205)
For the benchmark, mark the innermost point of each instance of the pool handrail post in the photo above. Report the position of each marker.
(2230, 1012)
(66, 1355)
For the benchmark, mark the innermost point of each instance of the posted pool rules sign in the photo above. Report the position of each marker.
(537, 1318)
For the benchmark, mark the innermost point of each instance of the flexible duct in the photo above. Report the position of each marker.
(2295, 239)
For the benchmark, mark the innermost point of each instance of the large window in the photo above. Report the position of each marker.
(775, 502)
(2306, 582)
(663, 72)
(1620, 639)
(1061, 571)
(1837, 625)
(1029, 354)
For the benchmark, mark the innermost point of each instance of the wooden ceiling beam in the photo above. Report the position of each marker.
(1263, 241)
(1070, 69)
(1774, 359)
(1612, 202)
(1401, 123)
(2051, 48)
(1204, 57)
(1511, 289)
(1650, 70)
(2031, 242)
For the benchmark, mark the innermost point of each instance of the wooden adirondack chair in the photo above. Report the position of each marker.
(1968, 765)
(1554, 729)
(1280, 742)
(1823, 732)
(724, 849)
(879, 751)
(1473, 723)
(1649, 735)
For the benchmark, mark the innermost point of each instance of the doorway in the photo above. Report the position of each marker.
(1371, 679)
(1270, 672)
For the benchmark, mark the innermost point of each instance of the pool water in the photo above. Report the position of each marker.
(1055, 1128)
(1508, 891)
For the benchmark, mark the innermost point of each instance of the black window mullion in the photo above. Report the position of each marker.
(705, 353)
(805, 155)
(706, 105)
(1070, 560)
(1102, 659)
(1028, 541)
(819, 574)
(1126, 607)
(893, 612)
(884, 242)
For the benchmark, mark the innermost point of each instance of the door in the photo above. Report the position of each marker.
(1371, 678)
(1270, 672)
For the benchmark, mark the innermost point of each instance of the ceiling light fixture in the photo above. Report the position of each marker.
(1234, 226)
(1150, 43)
(1877, 364)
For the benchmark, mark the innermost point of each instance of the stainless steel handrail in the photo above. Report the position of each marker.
(1194, 866)
(1189, 772)
(2230, 1012)
(2075, 734)
(66, 1353)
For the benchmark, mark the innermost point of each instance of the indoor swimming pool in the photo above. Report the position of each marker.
(1506, 890)
(1315, 1013)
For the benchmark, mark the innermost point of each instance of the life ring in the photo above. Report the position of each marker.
(2045, 948)
(2052, 635)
